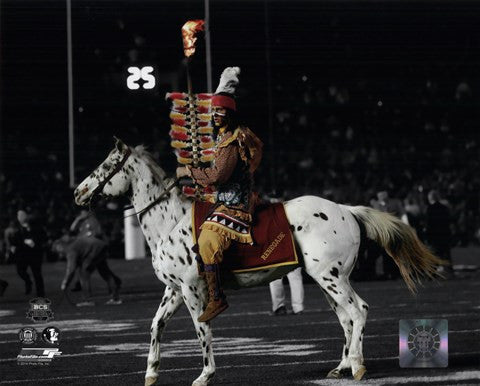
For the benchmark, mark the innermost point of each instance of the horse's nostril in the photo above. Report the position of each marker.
(78, 193)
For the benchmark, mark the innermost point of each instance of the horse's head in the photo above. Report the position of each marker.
(110, 178)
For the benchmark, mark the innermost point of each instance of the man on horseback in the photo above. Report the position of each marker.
(237, 154)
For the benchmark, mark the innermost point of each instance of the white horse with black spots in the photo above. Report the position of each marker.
(327, 234)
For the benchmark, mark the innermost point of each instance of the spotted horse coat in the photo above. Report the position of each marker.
(328, 236)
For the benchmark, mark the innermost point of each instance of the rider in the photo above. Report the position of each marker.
(237, 154)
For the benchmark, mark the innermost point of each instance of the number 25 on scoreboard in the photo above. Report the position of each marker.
(144, 73)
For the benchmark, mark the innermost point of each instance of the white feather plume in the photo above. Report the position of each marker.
(228, 80)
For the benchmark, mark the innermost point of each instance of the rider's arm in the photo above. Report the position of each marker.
(225, 161)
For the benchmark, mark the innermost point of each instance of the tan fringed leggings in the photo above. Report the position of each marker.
(211, 245)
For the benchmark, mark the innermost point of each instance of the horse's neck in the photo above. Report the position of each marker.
(158, 221)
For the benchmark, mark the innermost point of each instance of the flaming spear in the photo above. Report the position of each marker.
(189, 32)
(191, 131)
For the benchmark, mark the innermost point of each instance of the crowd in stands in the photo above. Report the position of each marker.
(344, 144)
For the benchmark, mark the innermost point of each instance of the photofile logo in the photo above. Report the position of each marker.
(423, 343)
(32, 355)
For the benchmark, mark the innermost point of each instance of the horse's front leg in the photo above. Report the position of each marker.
(195, 299)
(171, 301)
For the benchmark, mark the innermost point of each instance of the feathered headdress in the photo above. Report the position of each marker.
(224, 94)
(228, 81)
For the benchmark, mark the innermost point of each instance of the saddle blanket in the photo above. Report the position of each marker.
(273, 242)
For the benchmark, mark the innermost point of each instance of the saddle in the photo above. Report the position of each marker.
(273, 242)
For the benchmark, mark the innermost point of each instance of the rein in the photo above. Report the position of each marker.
(117, 168)
(142, 212)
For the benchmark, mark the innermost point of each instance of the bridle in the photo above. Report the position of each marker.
(115, 170)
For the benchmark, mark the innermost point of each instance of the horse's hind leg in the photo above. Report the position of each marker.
(356, 346)
(344, 319)
(356, 311)
(171, 301)
(196, 300)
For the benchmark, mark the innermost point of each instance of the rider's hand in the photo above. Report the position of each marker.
(182, 172)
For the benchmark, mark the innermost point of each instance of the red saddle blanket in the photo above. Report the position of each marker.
(273, 242)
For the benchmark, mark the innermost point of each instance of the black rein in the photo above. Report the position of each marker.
(117, 168)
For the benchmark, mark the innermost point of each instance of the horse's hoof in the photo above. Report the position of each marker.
(360, 373)
(150, 381)
(335, 373)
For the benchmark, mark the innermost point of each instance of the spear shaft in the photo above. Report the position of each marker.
(189, 31)
(192, 114)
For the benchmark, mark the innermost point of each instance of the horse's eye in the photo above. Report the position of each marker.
(106, 166)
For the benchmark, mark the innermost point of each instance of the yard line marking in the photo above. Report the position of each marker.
(148, 320)
(180, 331)
(4, 313)
(244, 346)
(278, 364)
(142, 349)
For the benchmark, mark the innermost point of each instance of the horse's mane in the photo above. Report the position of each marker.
(157, 171)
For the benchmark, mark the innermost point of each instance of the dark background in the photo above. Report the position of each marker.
(349, 96)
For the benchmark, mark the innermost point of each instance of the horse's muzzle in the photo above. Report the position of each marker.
(79, 195)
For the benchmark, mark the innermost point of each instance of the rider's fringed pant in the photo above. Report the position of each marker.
(211, 245)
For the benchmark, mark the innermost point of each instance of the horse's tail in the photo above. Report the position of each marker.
(401, 242)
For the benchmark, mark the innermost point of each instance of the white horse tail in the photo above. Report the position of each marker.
(401, 242)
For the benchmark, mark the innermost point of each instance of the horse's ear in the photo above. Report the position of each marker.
(119, 144)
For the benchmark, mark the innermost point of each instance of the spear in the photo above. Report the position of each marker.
(189, 32)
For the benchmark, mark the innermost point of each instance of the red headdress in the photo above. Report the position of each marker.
(224, 95)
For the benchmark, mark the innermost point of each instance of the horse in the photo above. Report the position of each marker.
(327, 235)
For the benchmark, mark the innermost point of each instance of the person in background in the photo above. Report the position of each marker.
(296, 292)
(393, 206)
(8, 234)
(3, 286)
(438, 232)
(26, 244)
(413, 210)
(86, 224)
(84, 255)
(86, 250)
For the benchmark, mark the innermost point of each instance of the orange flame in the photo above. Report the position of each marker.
(189, 30)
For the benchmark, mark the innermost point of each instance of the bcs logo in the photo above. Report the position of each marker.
(40, 310)
(144, 73)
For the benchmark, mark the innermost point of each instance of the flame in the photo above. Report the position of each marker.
(189, 30)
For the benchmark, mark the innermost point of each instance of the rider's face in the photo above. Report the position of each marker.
(219, 116)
